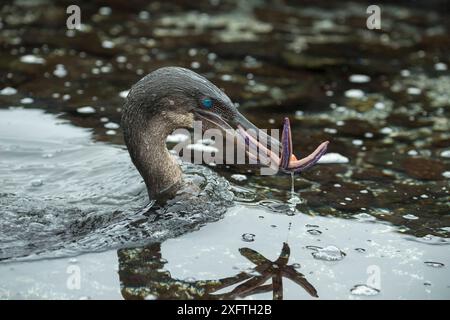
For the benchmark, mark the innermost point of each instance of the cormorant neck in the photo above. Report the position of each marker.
(146, 143)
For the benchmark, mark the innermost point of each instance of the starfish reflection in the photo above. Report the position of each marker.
(142, 276)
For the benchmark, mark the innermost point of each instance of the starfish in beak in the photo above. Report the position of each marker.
(288, 161)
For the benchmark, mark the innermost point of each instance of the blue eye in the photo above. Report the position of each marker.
(207, 103)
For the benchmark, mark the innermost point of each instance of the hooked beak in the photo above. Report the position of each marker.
(262, 148)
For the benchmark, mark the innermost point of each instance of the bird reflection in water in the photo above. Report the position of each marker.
(142, 277)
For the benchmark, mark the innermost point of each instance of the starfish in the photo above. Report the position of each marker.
(287, 161)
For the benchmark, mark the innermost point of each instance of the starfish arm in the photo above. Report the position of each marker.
(247, 286)
(211, 286)
(277, 283)
(310, 160)
(261, 289)
(290, 273)
(286, 144)
(254, 256)
(284, 255)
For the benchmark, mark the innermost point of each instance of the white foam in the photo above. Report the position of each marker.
(107, 44)
(440, 66)
(30, 58)
(60, 71)
(8, 91)
(445, 154)
(239, 177)
(111, 125)
(386, 130)
(414, 91)
(26, 100)
(124, 94)
(354, 93)
(359, 78)
(333, 157)
(86, 110)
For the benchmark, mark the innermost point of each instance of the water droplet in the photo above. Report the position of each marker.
(47, 155)
(434, 264)
(364, 290)
(410, 217)
(37, 183)
(330, 253)
(360, 250)
(296, 265)
(248, 237)
(314, 232)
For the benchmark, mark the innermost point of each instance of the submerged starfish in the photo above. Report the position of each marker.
(287, 161)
